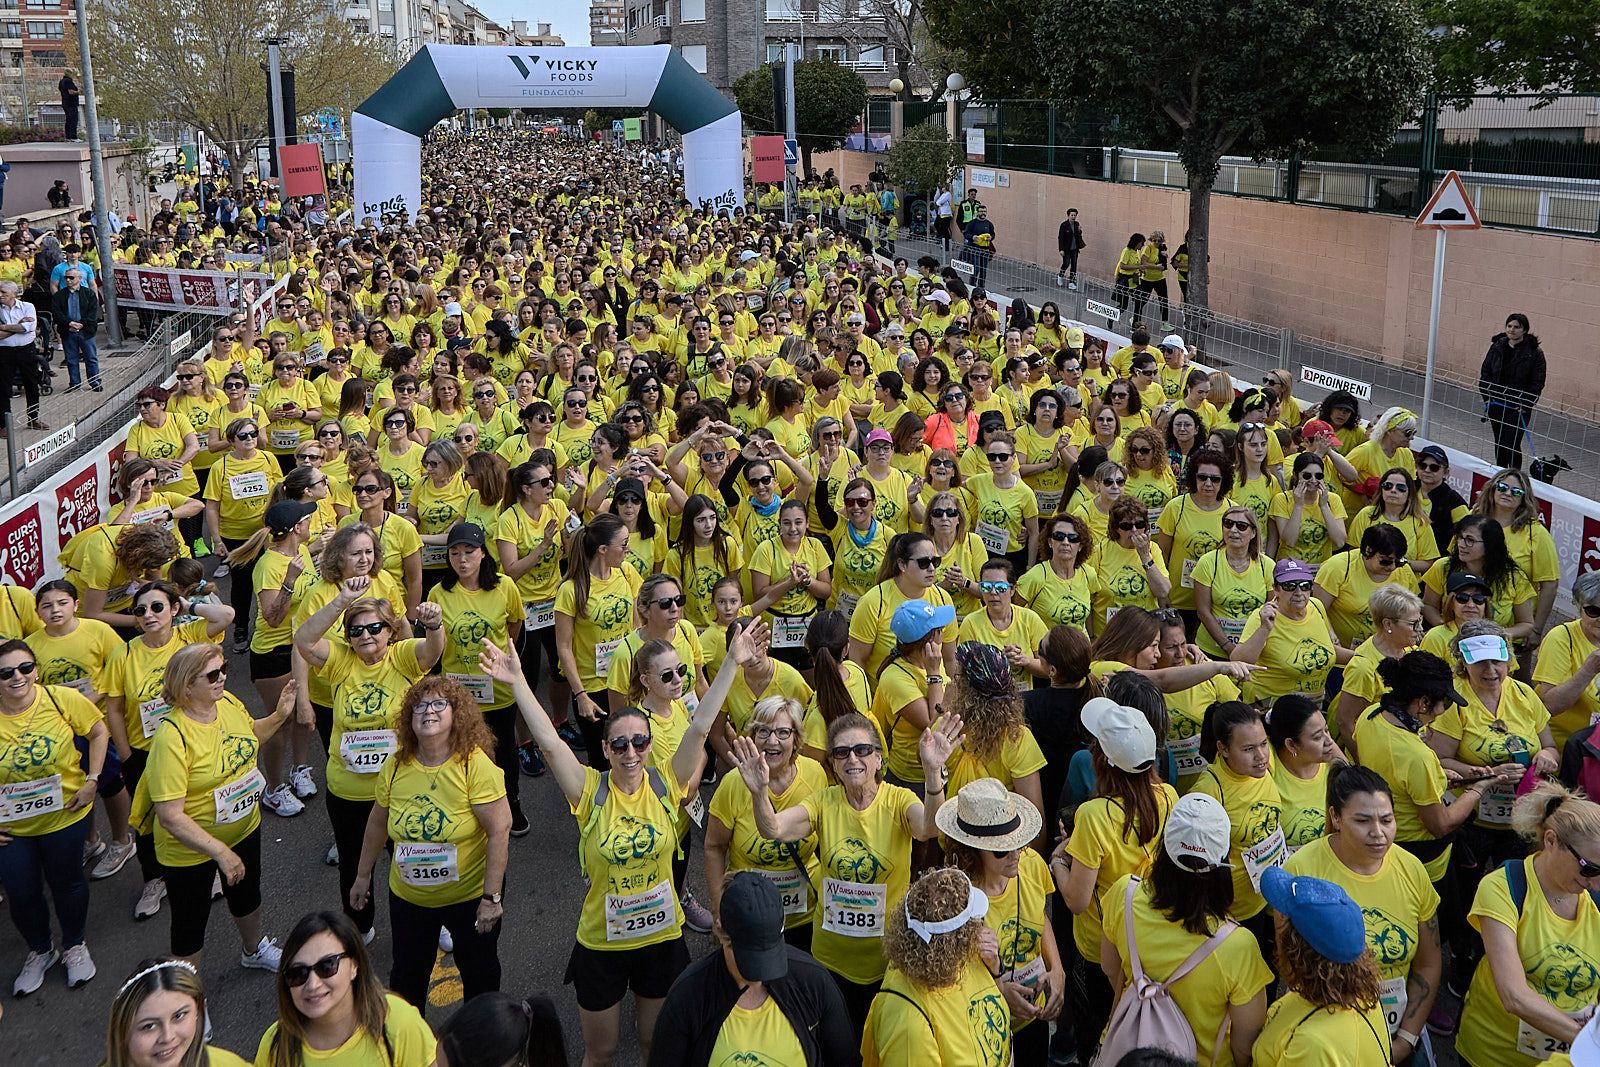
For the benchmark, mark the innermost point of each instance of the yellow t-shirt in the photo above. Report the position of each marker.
(864, 863)
(1298, 1034)
(77, 660)
(1370, 462)
(242, 488)
(165, 443)
(685, 641)
(1514, 590)
(1017, 917)
(748, 850)
(1186, 710)
(1561, 653)
(1234, 596)
(470, 617)
(1002, 514)
(1420, 542)
(317, 596)
(771, 558)
(1296, 658)
(1534, 550)
(539, 582)
(741, 701)
(966, 1024)
(870, 622)
(436, 510)
(900, 684)
(607, 618)
(1313, 545)
(407, 1041)
(286, 435)
(759, 1035)
(1194, 532)
(1120, 577)
(1018, 757)
(1304, 811)
(1026, 631)
(19, 615)
(1101, 839)
(626, 854)
(856, 566)
(366, 707)
(203, 415)
(271, 570)
(1395, 902)
(699, 574)
(1231, 976)
(211, 767)
(136, 675)
(405, 469)
(1413, 772)
(1560, 959)
(1254, 809)
(440, 848)
(40, 763)
(855, 682)
(1483, 744)
(1056, 600)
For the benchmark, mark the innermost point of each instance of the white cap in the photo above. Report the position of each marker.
(452, 308)
(1172, 340)
(1124, 734)
(939, 296)
(1198, 829)
(1485, 647)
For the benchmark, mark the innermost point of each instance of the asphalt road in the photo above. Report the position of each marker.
(61, 1027)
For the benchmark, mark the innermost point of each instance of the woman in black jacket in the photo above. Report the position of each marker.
(754, 965)
(1511, 380)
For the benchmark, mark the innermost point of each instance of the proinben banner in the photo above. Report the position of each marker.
(387, 128)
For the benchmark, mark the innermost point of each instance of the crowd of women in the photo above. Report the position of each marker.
(1029, 671)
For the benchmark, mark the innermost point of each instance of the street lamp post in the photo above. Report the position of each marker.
(97, 177)
(952, 119)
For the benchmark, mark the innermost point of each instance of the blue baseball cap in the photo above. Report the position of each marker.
(1320, 911)
(915, 619)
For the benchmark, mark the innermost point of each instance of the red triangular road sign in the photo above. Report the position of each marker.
(1450, 208)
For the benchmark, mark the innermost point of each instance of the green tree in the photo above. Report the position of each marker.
(198, 63)
(993, 44)
(1245, 77)
(924, 158)
(1548, 47)
(828, 102)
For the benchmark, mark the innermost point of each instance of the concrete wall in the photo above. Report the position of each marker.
(35, 166)
(1362, 280)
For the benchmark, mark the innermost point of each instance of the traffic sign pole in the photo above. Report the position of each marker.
(1433, 327)
(1449, 208)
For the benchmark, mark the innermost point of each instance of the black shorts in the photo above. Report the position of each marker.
(602, 979)
(274, 663)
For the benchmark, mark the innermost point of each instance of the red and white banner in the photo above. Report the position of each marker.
(165, 289)
(33, 530)
(301, 166)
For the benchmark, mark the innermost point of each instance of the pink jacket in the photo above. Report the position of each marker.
(940, 430)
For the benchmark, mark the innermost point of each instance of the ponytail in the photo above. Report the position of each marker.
(1221, 720)
(826, 639)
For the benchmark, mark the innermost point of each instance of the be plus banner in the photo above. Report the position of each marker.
(161, 289)
(301, 167)
(766, 159)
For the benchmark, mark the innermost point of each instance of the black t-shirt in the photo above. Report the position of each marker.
(69, 92)
(1054, 716)
(1443, 501)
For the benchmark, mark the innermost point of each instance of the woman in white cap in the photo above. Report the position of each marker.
(1397, 901)
(1177, 917)
(1289, 638)
(1535, 987)
(1233, 741)
(940, 1001)
(1331, 1015)
(987, 831)
(864, 828)
(1115, 834)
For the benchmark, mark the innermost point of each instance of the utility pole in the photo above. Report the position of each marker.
(97, 174)
(27, 104)
(791, 179)
(275, 94)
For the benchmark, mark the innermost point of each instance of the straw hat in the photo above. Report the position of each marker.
(988, 816)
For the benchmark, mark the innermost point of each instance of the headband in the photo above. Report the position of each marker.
(977, 907)
(1485, 647)
(183, 965)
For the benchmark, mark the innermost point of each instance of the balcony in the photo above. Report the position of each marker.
(827, 13)
(865, 66)
(657, 30)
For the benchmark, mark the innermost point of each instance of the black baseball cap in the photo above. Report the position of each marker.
(629, 485)
(1462, 580)
(285, 515)
(752, 917)
(465, 533)
(1434, 452)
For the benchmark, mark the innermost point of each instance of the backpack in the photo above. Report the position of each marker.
(1147, 1016)
(658, 786)
(1517, 882)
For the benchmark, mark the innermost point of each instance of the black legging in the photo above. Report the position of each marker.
(144, 845)
(241, 590)
(349, 819)
(503, 724)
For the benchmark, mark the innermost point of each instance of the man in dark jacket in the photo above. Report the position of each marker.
(754, 965)
(76, 311)
(1511, 380)
(1069, 239)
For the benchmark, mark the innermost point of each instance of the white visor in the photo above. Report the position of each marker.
(977, 907)
(1485, 648)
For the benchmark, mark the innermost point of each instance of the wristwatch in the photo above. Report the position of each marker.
(492, 898)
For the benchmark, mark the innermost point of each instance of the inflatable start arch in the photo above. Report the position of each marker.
(387, 128)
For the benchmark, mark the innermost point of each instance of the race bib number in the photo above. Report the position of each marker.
(24, 800)
(696, 808)
(541, 614)
(363, 751)
(481, 686)
(1392, 998)
(640, 914)
(755, 301)
(235, 801)
(1270, 852)
(151, 712)
(172, 476)
(255, 391)
(1048, 501)
(1029, 972)
(435, 555)
(853, 909)
(1186, 754)
(1539, 1045)
(790, 631)
(248, 486)
(793, 887)
(84, 686)
(149, 515)
(284, 438)
(847, 603)
(603, 651)
(425, 863)
(1233, 629)
(1495, 804)
(995, 538)
(1187, 581)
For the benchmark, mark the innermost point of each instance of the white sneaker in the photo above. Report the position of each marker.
(282, 802)
(80, 968)
(370, 936)
(301, 781)
(696, 916)
(266, 957)
(93, 850)
(1072, 286)
(150, 898)
(332, 858)
(31, 977)
(116, 857)
(216, 886)
(446, 942)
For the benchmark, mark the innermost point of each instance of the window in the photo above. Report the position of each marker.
(834, 52)
(385, 5)
(776, 52)
(43, 5)
(695, 54)
(692, 10)
(1511, 135)
(12, 30)
(45, 31)
(783, 10)
(361, 25)
(872, 55)
(50, 59)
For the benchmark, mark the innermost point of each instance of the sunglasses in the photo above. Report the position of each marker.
(619, 745)
(994, 587)
(395, 424)
(633, 418)
(331, 431)
(861, 751)
(1069, 536)
(858, 502)
(1429, 468)
(1296, 587)
(1311, 476)
(1586, 868)
(484, 396)
(371, 629)
(944, 513)
(298, 974)
(1395, 487)
(7, 673)
(155, 607)
(578, 403)
(1209, 478)
(1483, 598)
(1502, 487)
(1383, 561)
(370, 487)
(941, 463)
(756, 483)
(998, 457)
(1141, 450)
(665, 602)
(680, 671)
(187, 377)
(1237, 524)
(927, 562)
(1137, 524)
(463, 440)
